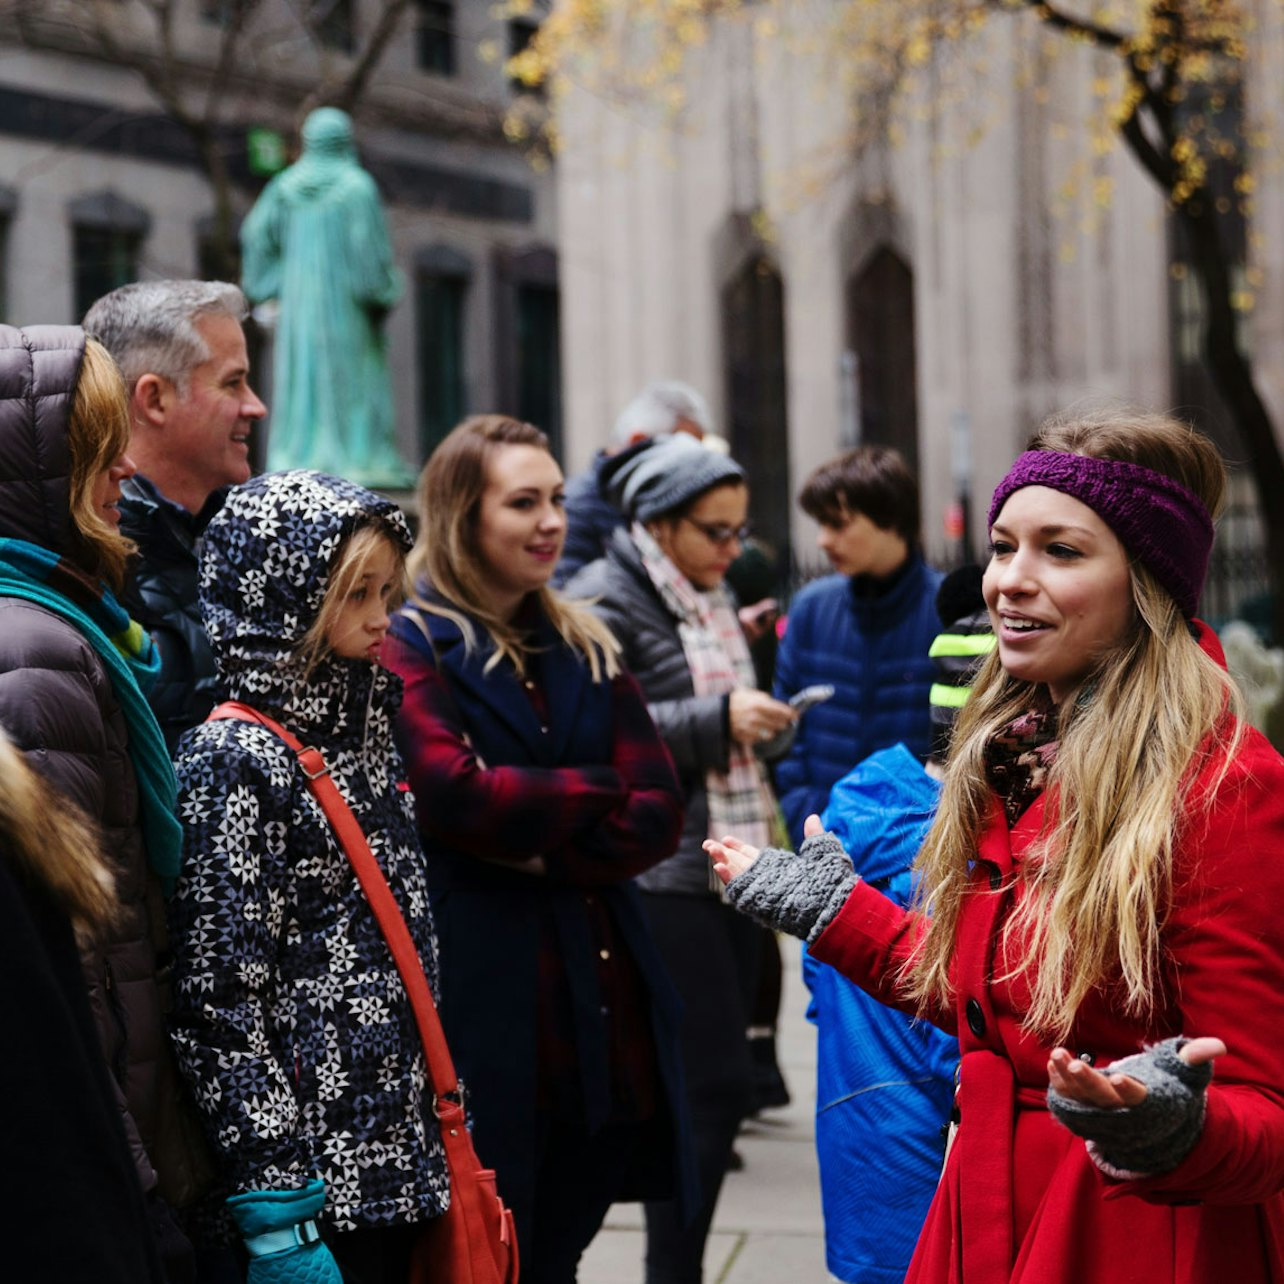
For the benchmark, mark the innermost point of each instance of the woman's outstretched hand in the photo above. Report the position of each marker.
(730, 856)
(1080, 1082)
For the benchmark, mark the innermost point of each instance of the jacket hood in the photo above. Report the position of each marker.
(266, 562)
(39, 367)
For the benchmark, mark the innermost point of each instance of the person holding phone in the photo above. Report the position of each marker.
(661, 588)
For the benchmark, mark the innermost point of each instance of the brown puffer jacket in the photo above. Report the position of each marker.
(58, 706)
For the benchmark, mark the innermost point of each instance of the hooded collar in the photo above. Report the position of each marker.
(265, 565)
(39, 367)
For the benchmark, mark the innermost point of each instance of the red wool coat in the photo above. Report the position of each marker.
(1020, 1201)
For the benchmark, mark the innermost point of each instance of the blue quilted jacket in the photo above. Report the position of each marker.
(873, 648)
(884, 1083)
(290, 1021)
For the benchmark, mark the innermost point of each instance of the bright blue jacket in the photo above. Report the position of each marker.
(884, 1083)
(873, 649)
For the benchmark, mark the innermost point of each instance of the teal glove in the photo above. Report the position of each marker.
(281, 1236)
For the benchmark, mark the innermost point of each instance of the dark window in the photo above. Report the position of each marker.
(435, 45)
(753, 337)
(528, 378)
(218, 12)
(107, 233)
(332, 22)
(539, 369)
(521, 31)
(880, 333)
(105, 258)
(440, 305)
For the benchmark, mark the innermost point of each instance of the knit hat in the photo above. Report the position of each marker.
(1159, 521)
(662, 474)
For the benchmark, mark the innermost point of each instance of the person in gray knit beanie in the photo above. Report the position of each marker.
(660, 475)
(1099, 894)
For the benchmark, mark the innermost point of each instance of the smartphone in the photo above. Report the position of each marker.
(808, 696)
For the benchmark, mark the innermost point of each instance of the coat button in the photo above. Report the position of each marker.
(1086, 1057)
(975, 1018)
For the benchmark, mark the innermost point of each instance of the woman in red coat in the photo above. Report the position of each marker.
(1105, 878)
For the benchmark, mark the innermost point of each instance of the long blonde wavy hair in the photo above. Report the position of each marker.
(447, 554)
(1097, 881)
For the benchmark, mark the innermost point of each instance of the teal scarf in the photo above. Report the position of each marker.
(132, 662)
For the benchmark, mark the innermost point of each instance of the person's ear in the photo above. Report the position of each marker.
(151, 399)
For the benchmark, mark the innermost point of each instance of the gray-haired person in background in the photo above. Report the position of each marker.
(661, 409)
(182, 351)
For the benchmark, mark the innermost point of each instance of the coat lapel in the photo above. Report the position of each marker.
(499, 691)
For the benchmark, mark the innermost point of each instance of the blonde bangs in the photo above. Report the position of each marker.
(351, 562)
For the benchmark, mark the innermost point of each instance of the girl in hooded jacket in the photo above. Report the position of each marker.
(291, 1021)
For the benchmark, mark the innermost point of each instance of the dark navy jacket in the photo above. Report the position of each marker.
(591, 519)
(588, 787)
(164, 597)
(872, 646)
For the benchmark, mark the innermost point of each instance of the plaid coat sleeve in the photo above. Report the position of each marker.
(592, 824)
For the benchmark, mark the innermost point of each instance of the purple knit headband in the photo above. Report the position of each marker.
(1162, 524)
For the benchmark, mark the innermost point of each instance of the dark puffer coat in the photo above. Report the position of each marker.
(290, 1020)
(164, 598)
(695, 728)
(58, 706)
(64, 1147)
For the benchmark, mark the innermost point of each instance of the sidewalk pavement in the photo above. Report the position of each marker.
(768, 1228)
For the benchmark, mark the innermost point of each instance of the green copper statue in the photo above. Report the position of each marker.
(317, 242)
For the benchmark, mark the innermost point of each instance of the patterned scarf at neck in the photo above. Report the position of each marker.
(1020, 756)
(718, 656)
(37, 575)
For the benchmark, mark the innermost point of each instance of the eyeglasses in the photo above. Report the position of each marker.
(719, 532)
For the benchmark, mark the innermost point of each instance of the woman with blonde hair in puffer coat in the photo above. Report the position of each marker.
(73, 670)
(291, 1021)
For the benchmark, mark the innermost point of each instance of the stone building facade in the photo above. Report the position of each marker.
(99, 186)
(942, 294)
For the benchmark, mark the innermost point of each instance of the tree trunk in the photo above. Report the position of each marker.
(1233, 375)
(224, 249)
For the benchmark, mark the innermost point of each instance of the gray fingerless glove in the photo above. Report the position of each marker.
(796, 894)
(1156, 1135)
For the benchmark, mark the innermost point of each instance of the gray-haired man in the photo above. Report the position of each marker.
(181, 349)
(659, 410)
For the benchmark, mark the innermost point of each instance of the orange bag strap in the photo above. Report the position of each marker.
(441, 1069)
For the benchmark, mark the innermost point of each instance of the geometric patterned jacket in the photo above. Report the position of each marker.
(290, 1020)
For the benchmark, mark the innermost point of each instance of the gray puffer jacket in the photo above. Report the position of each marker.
(695, 728)
(58, 706)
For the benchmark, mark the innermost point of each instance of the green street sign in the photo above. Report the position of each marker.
(265, 150)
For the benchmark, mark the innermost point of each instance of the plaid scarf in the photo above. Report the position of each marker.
(132, 662)
(716, 652)
(1020, 756)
